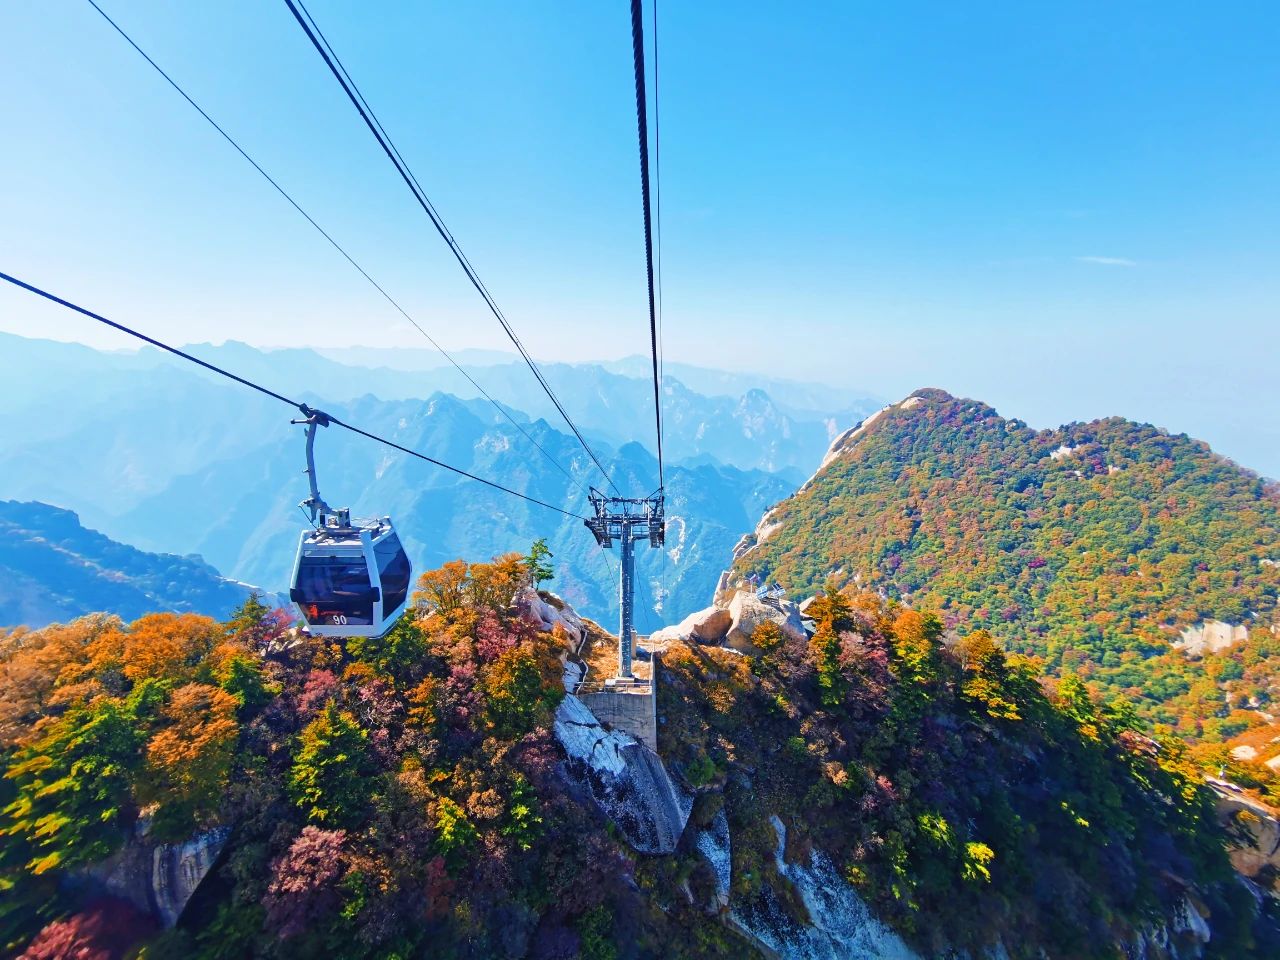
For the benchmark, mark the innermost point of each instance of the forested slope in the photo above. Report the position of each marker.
(406, 797)
(1093, 546)
(52, 568)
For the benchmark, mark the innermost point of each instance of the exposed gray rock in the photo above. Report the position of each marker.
(705, 626)
(1182, 939)
(722, 594)
(840, 926)
(1254, 830)
(714, 844)
(159, 878)
(626, 779)
(572, 675)
(747, 612)
(545, 615)
(1210, 637)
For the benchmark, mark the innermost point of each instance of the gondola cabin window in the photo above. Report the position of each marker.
(335, 591)
(393, 573)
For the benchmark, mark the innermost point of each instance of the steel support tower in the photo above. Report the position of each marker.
(627, 520)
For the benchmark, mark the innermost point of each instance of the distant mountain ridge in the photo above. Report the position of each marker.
(54, 569)
(173, 460)
(735, 420)
(1095, 545)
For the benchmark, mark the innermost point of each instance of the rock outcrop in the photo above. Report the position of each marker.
(1183, 939)
(158, 878)
(747, 612)
(1210, 637)
(626, 780)
(731, 621)
(722, 593)
(716, 847)
(840, 925)
(546, 613)
(1255, 831)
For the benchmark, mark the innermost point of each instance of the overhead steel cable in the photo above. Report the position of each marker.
(334, 243)
(657, 236)
(348, 85)
(657, 194)
(642, 130)
(306, 410)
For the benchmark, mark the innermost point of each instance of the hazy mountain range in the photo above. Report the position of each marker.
(167, 458)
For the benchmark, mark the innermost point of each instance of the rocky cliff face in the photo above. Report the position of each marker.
(626, 779)
(1256, 831)
(839, 924)
(159, 878)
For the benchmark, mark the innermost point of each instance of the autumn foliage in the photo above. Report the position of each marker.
(404, 796)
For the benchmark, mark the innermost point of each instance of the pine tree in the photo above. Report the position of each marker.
(538, 562)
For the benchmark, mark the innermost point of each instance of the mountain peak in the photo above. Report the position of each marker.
(1044, 538)
(935, 394)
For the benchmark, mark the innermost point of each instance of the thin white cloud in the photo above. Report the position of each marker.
(1109, 261)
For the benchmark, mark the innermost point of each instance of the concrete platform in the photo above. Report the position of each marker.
(631, 708)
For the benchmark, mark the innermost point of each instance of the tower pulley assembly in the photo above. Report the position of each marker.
(627, 520)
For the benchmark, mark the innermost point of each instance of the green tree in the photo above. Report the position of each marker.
(538, 562)
(832, 613)
(329, 776)
(524, 823)
(398, 653)
(241, 676)
(455, 834)
(249, 616)
(73, 786)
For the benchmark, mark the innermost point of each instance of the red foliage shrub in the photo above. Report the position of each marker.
(303, 881)
(320, 687)
(103, 930)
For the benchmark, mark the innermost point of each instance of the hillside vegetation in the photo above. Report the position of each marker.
(405, 797)
(1092, 546)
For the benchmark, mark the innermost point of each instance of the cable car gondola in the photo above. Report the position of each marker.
(350, 577)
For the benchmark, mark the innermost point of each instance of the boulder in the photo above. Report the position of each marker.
(747, 611)
(546, 614)
(710, 625)
(705, 626)
(659, 639)
(626, 779)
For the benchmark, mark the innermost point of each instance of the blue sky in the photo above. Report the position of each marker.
(1066, 210)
